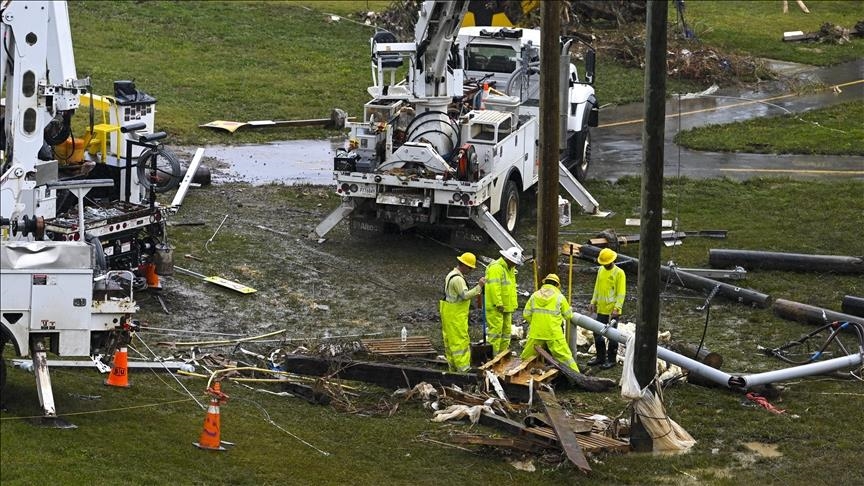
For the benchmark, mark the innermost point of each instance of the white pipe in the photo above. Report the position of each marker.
(721, 378)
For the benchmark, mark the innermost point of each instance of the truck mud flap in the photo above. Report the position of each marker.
(468, 237)
(365, 227)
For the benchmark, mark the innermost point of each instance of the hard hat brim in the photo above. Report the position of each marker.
(467, 264)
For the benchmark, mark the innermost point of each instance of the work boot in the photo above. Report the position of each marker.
(596, 360)
(607, 365)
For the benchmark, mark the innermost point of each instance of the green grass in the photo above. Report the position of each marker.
(756, 28)
(838, 130)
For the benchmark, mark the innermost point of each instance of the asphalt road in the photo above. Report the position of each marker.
(617, 142)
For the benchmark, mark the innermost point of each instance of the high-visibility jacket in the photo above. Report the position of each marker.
(500, 286)
(610, 288)
(545, 311)
(454, 309)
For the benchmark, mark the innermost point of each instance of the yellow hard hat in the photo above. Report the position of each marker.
(552, 278)
(468, 259)
(606, 256)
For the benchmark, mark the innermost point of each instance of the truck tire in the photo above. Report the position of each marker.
(508, 212)
(578, 157)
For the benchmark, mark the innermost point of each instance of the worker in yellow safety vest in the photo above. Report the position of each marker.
(610, 288)
(454, 311)
(545, 312)
(500, 298)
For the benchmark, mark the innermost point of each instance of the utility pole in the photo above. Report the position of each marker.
(650, 243)
(550, 129)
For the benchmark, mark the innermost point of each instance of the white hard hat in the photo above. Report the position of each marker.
(514, 254)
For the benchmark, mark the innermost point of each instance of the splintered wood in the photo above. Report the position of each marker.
(412, 346)
(513, 369)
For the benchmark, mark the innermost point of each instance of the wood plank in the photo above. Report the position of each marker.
(566, 436)
(590, 383)
(413, 345)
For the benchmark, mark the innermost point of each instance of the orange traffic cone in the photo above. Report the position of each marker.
(119, 371)
(210, 434)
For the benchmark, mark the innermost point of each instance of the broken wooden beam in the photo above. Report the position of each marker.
(853, 305)
(517, 443)
(388, 375)
(566, 436)
(589, 383)
(534, 434)
(809, 314)
(769, 260)
(684, 279)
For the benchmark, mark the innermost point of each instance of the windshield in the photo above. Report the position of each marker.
(490, 58)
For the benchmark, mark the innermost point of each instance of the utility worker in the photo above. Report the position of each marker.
(500, 299)
(454, 311)
(610, 288)
(545, 312)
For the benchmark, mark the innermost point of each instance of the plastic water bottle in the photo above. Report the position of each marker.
(404, 334)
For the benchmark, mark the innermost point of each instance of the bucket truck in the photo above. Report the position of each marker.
(66, 280)
(455, 142)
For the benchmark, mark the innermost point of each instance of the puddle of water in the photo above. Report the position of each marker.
(762, 449)
(291, 162)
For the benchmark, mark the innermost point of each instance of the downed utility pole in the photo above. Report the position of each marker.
(809, 314)
(653, 140)
(768, 260)
(853, 305)
(687, 280)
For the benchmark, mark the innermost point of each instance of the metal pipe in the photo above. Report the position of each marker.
(721, 378)
(767, 260)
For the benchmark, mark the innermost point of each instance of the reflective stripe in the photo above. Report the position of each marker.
(494, 336)
(460, 352)
(552, 312)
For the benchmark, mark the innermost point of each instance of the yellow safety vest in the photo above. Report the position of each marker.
(545, 311)
(500, 287)
(610, 288)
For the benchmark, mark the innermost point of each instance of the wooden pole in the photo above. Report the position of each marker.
(547, 187)
(645, 359)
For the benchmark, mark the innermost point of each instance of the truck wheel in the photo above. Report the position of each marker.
(579, 155)
(508, 213)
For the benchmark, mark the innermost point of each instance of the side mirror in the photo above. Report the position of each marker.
(590, 61)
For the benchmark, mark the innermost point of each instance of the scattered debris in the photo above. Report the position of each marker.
(566, 436)
(336, 121)
(222, 282)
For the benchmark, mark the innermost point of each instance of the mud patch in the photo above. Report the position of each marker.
(763, 450)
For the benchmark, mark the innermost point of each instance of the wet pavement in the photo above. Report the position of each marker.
(617, 142)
